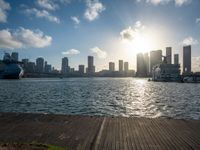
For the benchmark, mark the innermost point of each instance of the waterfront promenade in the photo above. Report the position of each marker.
(97, 133)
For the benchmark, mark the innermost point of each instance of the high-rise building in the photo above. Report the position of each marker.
(14, 56)
(126, 67)
(121, 65)
(81, 69)
(155, 58)
(40, 65)
(176, 59)
(91, 67)
(169, 55)
(111, 66)
(47, 67)
(65, 66)
(146, 60)
(141, 66)
(187, 59)
(31, 68)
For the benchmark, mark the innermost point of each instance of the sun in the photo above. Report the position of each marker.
(141, 43)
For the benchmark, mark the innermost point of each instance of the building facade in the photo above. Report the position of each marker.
(169, 55)
(65, 66)
(111, 66)
(121, 65)
(187, 59)
(176, 59)
(40, 65)
(155, 58)
(91, 67)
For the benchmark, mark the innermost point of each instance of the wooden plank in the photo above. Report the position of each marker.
(97, 133)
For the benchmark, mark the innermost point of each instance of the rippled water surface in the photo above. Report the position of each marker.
(101, 96)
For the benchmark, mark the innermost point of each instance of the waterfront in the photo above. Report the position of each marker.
(101, 96)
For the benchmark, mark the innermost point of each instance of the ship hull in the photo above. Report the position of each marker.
(11, 71)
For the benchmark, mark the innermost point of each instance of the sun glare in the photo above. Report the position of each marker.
(140, 44)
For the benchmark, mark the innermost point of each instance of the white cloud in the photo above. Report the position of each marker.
(100, 53)
(94, 8)
(75, 20)
(71, 52)
(4, 7)
(163, 2)
(198, 20)
(42, 14)
(130, 33)
(47, 4)
(182, 2)
(23, 38)
(190, 41)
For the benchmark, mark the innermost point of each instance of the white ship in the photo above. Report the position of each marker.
(9, 68)
(164, 72)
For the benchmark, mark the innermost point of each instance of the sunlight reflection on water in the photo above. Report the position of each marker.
(101, 96)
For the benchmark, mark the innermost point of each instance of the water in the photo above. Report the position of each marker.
(101, 96)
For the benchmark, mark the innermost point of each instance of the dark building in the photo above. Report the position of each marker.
(111, 66)
(126, 67)
(176, 59)
(146, 60)
(40, 65)
(187, 59)
(121, 65)
(155, 58)
(141, 66)
(91, 67)
(65, 66)
(169, 55)
(31, 68)
(81, 69)
(47, 67)
(14, 56)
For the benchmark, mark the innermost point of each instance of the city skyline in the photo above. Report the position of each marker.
(108, 30)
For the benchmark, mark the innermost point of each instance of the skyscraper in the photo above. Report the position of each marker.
(111, 66)
(146, 60)
(126, 67)
(187, 59)
(155, 58)
(65, 65)
(141, 66)
(81, 69)
(91, 67)
(176, 59)
(40, 65)
(169, 55)
(121, 65)
(14, 56)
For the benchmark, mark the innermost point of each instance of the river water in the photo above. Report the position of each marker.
(101, 96)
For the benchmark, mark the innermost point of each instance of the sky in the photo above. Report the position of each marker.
(109, 30)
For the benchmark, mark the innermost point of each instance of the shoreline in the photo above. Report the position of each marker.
(98, 132)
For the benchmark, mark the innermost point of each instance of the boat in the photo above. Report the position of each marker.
(164, 72)
(10, 68)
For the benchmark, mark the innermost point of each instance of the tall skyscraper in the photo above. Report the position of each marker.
(111, 66)
(169, 55)
(146, 60)
(40, 65)
(47, 67)
(141, 66)
(155, 58)
(81, 69)
(65, 65)
(126, 67)
(121, 65)
(187, 59)
(176, 59)
(91, 67)
(14, 56)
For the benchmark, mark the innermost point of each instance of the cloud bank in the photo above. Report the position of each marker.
(93, 10)
(100, 53)
(23, 38)
(4, 7)
(71, 52)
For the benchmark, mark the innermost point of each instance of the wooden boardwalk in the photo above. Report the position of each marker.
(101, 133)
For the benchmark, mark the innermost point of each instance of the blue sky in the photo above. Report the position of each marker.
(107, 29)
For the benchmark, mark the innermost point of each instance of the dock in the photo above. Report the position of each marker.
(100, 133)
